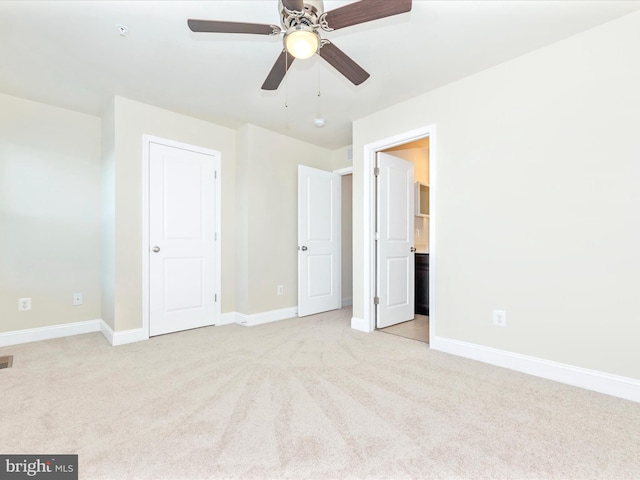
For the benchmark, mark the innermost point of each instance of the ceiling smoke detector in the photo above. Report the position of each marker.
(319, 122)
(122, 29)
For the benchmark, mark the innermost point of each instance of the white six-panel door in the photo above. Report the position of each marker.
(182, 239)
(319, 241)
(395, 255)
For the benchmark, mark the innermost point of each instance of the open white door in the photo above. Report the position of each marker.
(395, 252)
(183, 262)
(319, 252)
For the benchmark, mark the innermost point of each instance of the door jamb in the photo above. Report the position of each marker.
(344, 171)
(370, 151)
(147, 140)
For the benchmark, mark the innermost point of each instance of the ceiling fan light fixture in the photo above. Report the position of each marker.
(302, 42)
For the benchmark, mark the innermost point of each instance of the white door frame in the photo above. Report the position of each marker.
(146, 141)
(369, 212)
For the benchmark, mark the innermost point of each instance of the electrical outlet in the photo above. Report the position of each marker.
(24, 304)
(77, 299)
(280, 289)
(499, 318)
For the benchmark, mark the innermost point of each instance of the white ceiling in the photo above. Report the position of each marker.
(70, 54)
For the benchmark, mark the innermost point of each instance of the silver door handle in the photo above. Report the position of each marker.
(156, 249)
(413, 249)
(303, 248)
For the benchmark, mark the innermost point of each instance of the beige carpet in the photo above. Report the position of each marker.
(304, 398)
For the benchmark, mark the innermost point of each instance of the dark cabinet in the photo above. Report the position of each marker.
(422, 284)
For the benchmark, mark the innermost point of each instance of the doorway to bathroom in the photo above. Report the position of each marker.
(416, 155)
(394, 284)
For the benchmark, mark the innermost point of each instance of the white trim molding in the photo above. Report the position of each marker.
(266, 317)
(227, 318)
(28, 335)
(361, 324)
(344, 171)
(615, 385)
(123, 337)
(369, 219)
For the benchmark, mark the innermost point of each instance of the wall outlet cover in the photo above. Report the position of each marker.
(77, 299)
(24, 304)
(499, 318)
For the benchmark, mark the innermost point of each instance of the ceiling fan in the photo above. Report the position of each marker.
(301, 21)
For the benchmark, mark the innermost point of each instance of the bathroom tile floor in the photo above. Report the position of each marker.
(416, 329)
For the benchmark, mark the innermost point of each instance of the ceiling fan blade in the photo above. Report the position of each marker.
(365, 11)
(216, 26)
(278, 71)
(297, 5)
(343, 63)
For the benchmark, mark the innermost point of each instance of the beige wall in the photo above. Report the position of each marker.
(267, 201)
(107, 215)
(242, 185)
(537, 166)
(347, 239)
(340, 158)
(420, 159)
(49, 227)
(132, 120)
(77, 182)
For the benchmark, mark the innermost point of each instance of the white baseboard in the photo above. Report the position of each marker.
(266, 317)
(47, 333)
(227, 319)
(129, 336)
(615, 385)
(347, 301)
(360, 324)
(123, 337)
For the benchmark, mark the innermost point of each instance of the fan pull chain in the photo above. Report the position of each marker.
(319, 95)
(286, 81)
(286, 92)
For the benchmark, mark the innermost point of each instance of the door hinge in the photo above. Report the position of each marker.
(215, 297)
(376, 300)
(377, 236)
(215, 236)
(376, 171)
(215, 174)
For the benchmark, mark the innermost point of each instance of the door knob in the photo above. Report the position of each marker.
(413, 249)
(156, 249)
(303, 248)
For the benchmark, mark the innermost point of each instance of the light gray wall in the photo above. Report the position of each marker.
(537, 166)
(49, 222)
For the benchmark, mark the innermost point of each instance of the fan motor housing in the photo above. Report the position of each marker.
(310, 16)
